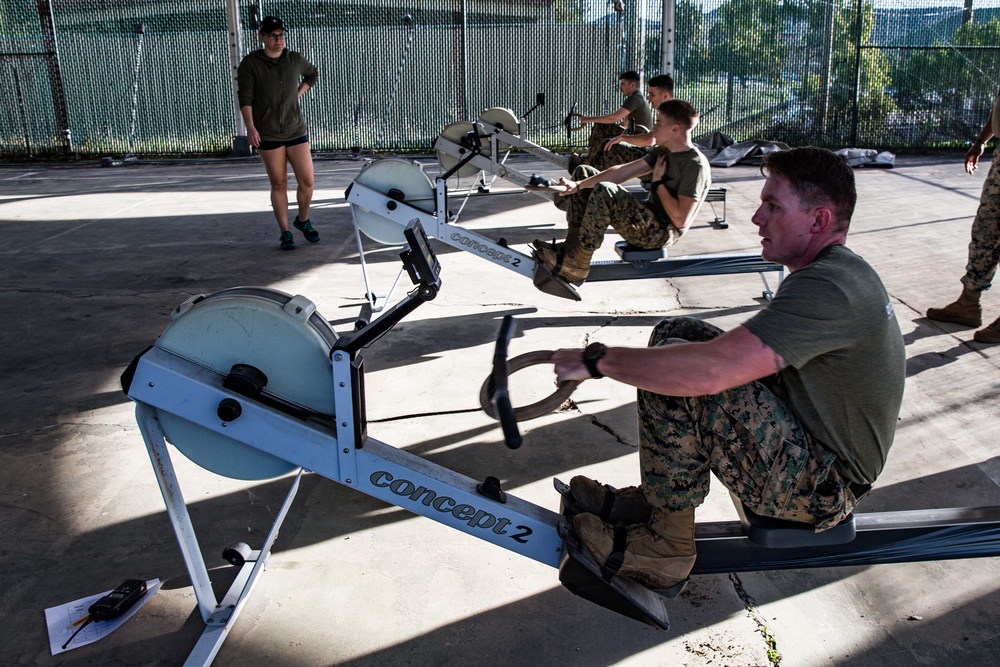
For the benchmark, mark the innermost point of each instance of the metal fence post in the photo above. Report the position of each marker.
(667, 37)
(55, 73)
(241, 146)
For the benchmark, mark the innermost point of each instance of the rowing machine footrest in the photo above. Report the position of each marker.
(579, 573)
(774, 533)
(548, 282)
(631, 253)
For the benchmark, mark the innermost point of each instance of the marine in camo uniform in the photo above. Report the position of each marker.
(633, 117)
(794, 411)
(597, 200)
(984, 247)
(659, 89)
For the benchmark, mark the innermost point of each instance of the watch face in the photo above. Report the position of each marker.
(591, 354)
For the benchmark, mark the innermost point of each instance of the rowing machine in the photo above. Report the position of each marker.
(502, 131)
(214, 386)
(491, 138)
(389, 193)
(753, 543)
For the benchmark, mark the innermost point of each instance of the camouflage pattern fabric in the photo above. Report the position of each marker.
(601, 159)
(984, 248)
(746, 435)
(590, 212)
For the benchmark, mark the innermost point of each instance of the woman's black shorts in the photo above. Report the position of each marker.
(271, 145)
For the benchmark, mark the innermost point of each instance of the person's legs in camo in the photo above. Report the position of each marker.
(752, 442)
(608, 205)
(984, 255)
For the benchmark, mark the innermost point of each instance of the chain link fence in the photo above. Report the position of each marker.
(90, 78)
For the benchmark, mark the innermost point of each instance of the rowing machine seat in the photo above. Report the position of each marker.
(774, 533)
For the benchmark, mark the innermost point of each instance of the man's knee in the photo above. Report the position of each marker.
(670, 330)
(608, 196)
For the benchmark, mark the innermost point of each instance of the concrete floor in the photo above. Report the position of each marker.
(94, 260)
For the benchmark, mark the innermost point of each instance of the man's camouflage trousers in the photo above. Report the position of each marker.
(746, 435)
(984, 248)
(590, 212)
(601, 159)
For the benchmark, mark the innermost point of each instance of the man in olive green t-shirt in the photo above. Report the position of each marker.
(633, 117)
(794, 411)
(596, 200)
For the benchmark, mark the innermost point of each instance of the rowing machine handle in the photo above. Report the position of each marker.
(568, 122)
(499, 395)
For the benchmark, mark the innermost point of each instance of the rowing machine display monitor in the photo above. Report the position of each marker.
(420, 261)
(539, 102)
(568, 122)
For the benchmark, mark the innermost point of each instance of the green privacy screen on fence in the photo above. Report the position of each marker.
(87, 78)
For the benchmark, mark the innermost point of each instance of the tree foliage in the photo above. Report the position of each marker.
(748, 39)
(690, 49)
(952, 75)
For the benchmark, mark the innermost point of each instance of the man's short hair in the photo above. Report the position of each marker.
(819, 177)
(663, 82)
(629, 75)
(680, 111)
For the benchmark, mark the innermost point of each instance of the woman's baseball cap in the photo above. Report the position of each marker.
(270, 24)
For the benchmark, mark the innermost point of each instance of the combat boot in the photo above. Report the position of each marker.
(965, 311)
(554, 245)
(659, 554)
(628, 505)
(571, 262)
(990, 334)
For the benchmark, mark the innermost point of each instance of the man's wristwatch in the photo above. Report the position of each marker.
(591, 355)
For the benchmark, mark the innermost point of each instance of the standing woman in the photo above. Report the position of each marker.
(271, 81)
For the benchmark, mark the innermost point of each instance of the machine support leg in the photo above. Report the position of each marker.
(180, 519)
(218, 626)
(218, 616)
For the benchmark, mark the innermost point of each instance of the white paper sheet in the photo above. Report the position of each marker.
(60, 620)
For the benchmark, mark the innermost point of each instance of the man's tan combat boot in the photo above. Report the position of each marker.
(990, 334)
(613, 505)
(571, 263)
(966, 311)
(659, 554)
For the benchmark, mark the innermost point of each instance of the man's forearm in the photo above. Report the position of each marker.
(693, 369)
(610, 118)
(644, 139)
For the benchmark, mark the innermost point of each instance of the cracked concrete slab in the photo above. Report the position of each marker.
(94, 260)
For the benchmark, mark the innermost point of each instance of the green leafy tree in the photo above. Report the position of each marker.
(951, 75)
(568, 11)
(832, 102)
(748, 39)
(690, 49)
